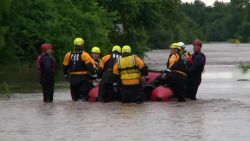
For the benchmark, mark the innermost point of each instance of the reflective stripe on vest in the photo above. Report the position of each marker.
(79, 72)
(128, 68)
(180, 72)
(109, 64)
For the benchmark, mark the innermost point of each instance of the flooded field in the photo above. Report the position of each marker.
(221, 113)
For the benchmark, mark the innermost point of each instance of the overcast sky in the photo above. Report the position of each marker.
(207, 2)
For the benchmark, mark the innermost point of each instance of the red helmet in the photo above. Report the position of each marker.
(46, 46)
(197, 42)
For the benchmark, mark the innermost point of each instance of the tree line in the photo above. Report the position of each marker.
(143, 24)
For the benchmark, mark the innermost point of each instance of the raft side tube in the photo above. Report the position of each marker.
(161, 93)
(93, 94)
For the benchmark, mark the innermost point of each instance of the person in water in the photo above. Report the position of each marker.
(130, 68)
(46, 65)
(195, 69)
(79, 69)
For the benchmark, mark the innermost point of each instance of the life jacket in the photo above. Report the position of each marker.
(128, 68)
(111, 61)
(39, 61)
(76, 64)
(181, 64)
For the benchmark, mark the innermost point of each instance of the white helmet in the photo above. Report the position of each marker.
(181, 44)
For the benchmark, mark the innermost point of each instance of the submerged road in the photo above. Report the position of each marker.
(221, 113)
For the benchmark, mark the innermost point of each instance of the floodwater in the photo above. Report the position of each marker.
(221, 113)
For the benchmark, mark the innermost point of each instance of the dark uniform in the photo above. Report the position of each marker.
(195, 69)
(46, 65)
(131, 68)
(177, 79)
(79, 67)
(106, 91)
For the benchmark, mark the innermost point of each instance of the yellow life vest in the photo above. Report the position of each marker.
(128, 68)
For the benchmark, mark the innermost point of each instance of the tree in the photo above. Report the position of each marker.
(58, 22)
(4, 7)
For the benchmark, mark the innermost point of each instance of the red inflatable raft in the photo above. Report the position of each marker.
(160, 93)
(93, 94)
(152, 75)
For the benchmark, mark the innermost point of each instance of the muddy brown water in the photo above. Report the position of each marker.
(221, 113)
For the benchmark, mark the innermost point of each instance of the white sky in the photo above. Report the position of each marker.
(207, 2)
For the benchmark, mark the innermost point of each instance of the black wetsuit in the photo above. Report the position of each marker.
(195, 69)
(46, 66)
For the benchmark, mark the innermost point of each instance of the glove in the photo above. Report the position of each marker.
(146, 78)
(95, 84)
(98, 80)
(166, 71)
(115, 87)
(115, 84)
(164, 75)
(94, 76)
(66, 76)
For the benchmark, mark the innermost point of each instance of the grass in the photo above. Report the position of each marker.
(6, 91)
(245, 67)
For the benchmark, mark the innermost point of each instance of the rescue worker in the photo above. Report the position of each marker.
(184, 51)
(95, 54)
(195, 69)
(79, 70)
(46, 65)
(175, 74)
(130, 68)
(107, 63)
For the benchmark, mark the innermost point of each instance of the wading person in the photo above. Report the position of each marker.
(195, 69)
(79, 69)
(130, 68)
(175, 77)
(46, 65)
(107, 77)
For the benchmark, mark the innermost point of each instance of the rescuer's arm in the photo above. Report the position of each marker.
(89, 62)
(66, 61)
(142, 67)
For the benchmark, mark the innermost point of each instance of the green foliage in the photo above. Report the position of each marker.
(58, 22)
(142, 24)
(244, 67)
(5, 92)
(222, 22)
(131, 16)
(4, 7)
